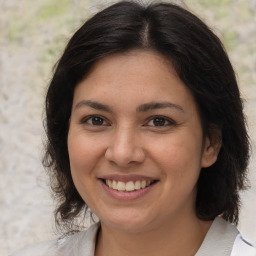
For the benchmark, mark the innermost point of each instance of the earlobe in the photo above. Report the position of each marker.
(211, 148)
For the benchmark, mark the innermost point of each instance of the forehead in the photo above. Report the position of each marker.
(136, 76)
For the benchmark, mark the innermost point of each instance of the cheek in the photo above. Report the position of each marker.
(82, 156)
(82, 152)
(179, 158)
(178, 151)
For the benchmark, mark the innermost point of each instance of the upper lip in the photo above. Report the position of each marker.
(126, 178)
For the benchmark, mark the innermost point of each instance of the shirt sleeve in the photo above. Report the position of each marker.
(38, 249)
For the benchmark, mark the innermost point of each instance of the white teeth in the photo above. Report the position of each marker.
(129, 186)
(137, 184)
(114, 184)
(143, 184)
(120, 186)
(109, 183)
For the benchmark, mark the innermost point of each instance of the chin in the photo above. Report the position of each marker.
(125, 222)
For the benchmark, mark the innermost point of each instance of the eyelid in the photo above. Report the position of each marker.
(106, 122)
(170, 121)
(84, 120)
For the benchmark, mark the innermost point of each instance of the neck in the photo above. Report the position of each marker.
(178, 237)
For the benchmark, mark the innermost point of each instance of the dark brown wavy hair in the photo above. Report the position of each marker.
(201, 62)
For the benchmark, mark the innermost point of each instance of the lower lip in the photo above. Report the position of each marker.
(124, 195)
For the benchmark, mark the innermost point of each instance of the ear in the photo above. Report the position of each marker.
(211, 147)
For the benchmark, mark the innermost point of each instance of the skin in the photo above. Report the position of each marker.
(126, 140)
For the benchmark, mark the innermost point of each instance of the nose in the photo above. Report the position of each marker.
(125, 149)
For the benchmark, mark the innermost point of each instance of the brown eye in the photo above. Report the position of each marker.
(160, 121)
(95, 120)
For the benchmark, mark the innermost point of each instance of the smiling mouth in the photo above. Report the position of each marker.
(128, 186)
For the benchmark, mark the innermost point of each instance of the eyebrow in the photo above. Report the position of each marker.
(93, 104)
(158, 105)
(142, 108)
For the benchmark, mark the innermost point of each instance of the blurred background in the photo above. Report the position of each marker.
(32, 37)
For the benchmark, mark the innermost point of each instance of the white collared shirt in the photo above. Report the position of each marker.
(222, 239)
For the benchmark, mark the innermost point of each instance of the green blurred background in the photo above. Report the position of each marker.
(45, 26)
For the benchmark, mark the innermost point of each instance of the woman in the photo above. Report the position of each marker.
(145, 127)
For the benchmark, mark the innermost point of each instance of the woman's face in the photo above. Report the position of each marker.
(135, 142)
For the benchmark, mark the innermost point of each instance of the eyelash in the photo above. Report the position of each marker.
(169, 121)
(86, 120)
(165, 121)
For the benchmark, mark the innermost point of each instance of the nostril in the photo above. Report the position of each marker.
(125, 157)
